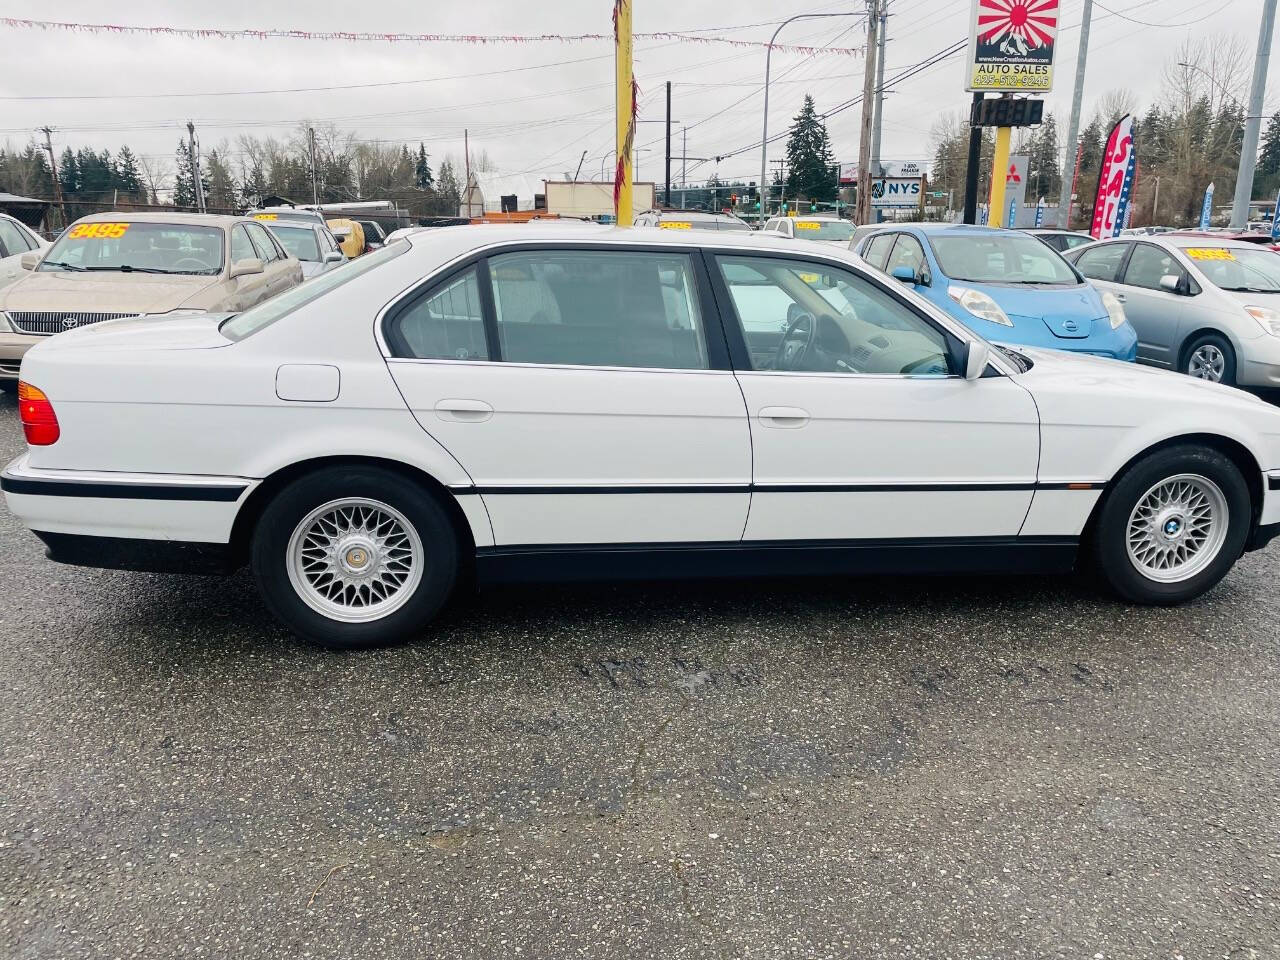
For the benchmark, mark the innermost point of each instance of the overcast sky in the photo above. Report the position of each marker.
(536, 123)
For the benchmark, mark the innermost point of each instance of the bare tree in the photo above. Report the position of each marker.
(156, 175)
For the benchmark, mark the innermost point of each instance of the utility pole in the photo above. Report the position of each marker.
(466, 155)
(1073, 125)
(875, 134)
(53, 170)
(684, 157)
(1249, 149)
(868, 109)
(193, 156)
(667, 201)
(315, 189)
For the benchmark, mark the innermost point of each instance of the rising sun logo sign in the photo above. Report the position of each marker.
(1011, 44)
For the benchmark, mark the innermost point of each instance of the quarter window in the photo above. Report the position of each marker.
(447, 323)
(598, 308)
(799, 316)
(1148, 264)
(1102, 262)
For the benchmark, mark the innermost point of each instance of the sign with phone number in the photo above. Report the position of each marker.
(98, 231)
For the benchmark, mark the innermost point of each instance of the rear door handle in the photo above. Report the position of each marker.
(463, 411)
(783, 417)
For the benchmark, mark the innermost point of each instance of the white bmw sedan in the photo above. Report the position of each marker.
(537, 403)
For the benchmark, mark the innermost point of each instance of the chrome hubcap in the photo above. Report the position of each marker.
(1177, 528)
(355, 560)
(1207, 363)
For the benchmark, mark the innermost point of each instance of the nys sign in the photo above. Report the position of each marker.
(1011, 45)
(895, 192)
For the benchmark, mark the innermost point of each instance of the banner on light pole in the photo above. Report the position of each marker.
(1040, 212)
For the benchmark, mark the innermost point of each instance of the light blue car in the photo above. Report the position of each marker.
(1003, 284)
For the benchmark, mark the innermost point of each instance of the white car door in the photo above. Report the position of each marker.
(859, 428)
(586, 391)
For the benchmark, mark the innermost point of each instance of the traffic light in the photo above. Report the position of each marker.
(813, 208)
(757, 204)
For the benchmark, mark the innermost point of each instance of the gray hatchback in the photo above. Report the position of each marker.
(1206, 307)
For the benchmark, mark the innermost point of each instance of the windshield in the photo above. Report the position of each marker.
(1238, 269)
(137, 248)
(269, 311)
(1000, 258)
(824, 229)
(299, 241)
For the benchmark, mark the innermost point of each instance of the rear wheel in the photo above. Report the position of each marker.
(1173, 525)
(1210, 357)
(354, 557)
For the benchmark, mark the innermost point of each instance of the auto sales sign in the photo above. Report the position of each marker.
(1011, 45)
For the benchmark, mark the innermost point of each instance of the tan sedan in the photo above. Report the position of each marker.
(125, 264)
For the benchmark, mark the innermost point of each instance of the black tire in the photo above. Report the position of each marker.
(1110, 548)
(269, 556)
(1223, 345)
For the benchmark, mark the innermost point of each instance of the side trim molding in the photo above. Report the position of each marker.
(215, 493)
(658, 488)
(667, 561)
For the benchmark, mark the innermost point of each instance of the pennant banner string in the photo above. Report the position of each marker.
(203, 33)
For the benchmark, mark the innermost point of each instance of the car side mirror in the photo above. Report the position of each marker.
(242, 268)
(906, 275)
(1171, 282)
(976, 357)
(333, 256)
(29, 260)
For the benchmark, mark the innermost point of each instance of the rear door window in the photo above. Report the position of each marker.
(878, 248)
(1148, 264)
(598, 308)
(446, 323)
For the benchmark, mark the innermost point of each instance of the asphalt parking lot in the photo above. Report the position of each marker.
(930, 768)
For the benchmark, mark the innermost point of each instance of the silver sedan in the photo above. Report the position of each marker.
(1203, 306)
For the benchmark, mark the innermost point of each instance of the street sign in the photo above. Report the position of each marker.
(1011, 45)
(1206, 211)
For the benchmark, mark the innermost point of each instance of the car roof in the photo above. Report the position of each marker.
(183, 219)
(1176, 240)
(458, 241)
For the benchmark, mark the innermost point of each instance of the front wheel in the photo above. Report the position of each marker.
(1210, 357)
(1172, 525)
(354, 557)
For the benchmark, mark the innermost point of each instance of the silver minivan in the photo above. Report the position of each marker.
(1202, 306)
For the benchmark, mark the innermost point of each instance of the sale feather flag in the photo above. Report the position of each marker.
(1115, 181)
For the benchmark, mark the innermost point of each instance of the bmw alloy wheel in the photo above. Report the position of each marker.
(1177, 528)
(1207, 362)
(355, 560)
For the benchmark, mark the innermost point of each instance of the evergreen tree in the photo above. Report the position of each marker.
(222, 186)
(128, 177)
(809, 157)
(449, 190)
(184, 190)
(422, 171)
(68, 172)
(1268, 176)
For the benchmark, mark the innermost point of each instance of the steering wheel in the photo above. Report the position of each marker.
(796, 342)
(198, 264)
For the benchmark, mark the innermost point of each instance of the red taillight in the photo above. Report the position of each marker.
(39, 422)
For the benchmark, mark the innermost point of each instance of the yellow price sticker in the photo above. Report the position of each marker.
(265, 216)
(97, 231)
(807, 225)
(810, 278)
(1210, 253)
(675, 225)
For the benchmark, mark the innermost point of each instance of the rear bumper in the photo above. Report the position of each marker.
(124, 506)
(152, 556)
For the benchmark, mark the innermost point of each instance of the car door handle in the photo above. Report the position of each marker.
(1119, 296)
(463, 411)
(784, 416)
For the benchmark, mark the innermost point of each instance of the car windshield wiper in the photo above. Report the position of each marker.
(126, 268)
(65, 266)
(1250, 289)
